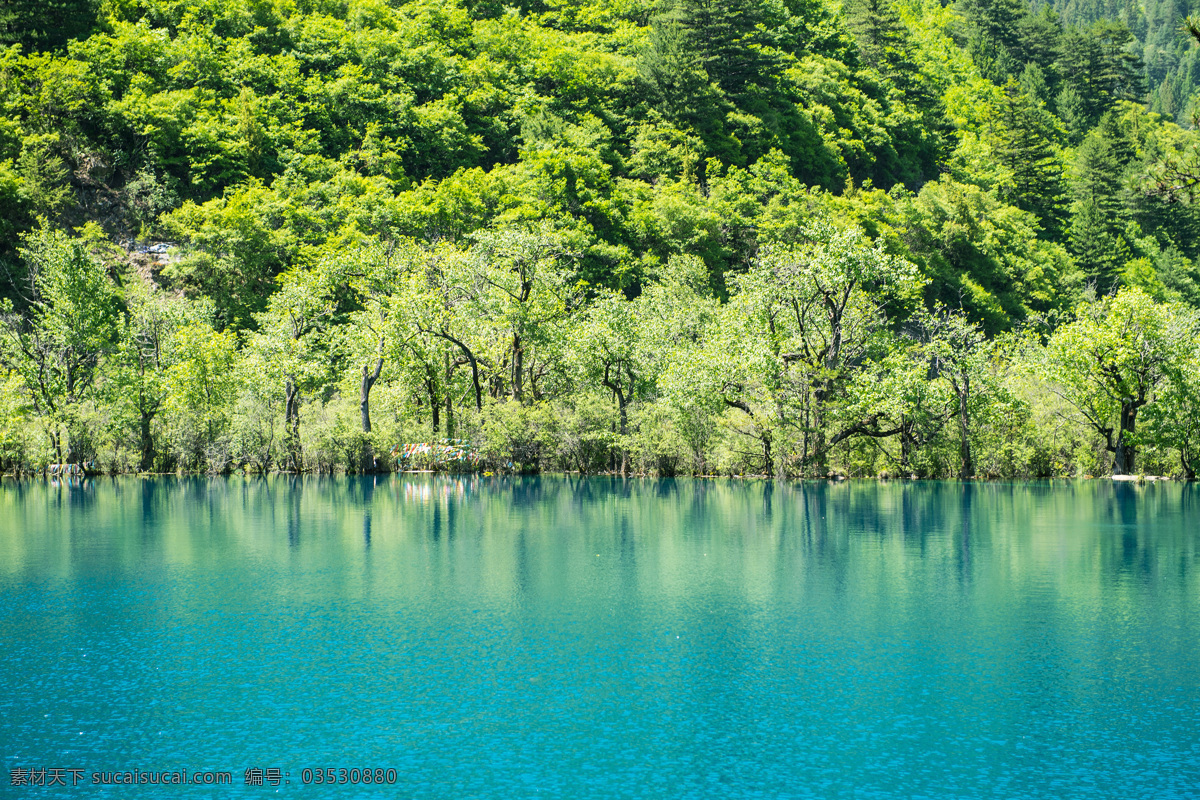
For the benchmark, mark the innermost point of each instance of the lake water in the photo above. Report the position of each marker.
(602, 638)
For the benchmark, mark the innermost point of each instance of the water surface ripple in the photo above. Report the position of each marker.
(603, 638)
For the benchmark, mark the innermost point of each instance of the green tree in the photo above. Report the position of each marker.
(406, 293)
(439, 301)
(137, 370)
(1099, 214)
(1039, 35)
(202, 383)
(624, 345)
(729, 38)
(992, 35)
(376, 273)
(1112, 360)
(674, 71)
(292, 347)
(45, 24)
(1025, 146)
(984, 256)
(681, 315)
(896, 396)
(801, 322)
(16, 422)
(883, 41)
(1069, 106)
(70, 324)
(1100, 65)
(962, 356)
(521, 287)
(233, 248)
(1173, 420)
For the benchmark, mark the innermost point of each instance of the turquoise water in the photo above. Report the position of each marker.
(600, 638)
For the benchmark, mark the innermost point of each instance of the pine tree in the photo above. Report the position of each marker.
(883, 42)
(1121, 70)
(1038, 41)
(1033, 83)
(1100, 213)
(671, 67)
(992, 35)
(1098, 64)
(679, 85)
(45, 24)
(1079, 64)
(884, 45)
(1025, 145)
(730, 41)
(1100, 252)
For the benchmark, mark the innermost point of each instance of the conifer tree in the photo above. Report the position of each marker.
(992, 35)
(1122, 74)
(1068, 105)
(1100, 66)
(1099, 214)
(729, 38)
(1024, 144)
(45, 24)
(883, 42)
(1038, 38)
(1099, 250)
(884, 45)
(1033, 83)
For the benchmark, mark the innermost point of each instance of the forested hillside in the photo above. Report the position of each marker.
(787, 237)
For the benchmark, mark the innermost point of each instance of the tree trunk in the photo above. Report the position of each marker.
(292, 425)
(435, 408)
(56, 441)
(820, 465)
(449, 400)
(518, 369)
(966, 470)
(622, 414)
(364, 404)
(475, 381)
(1124, 452)
(819, 468)
(147, 442)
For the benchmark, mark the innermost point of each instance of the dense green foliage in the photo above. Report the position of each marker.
(672, 236)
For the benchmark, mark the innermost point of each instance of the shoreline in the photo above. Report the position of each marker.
(1134, 479)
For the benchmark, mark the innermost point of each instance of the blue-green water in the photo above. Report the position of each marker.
(566, 638)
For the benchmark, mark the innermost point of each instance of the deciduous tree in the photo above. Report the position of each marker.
(71, 322)
(1113, 359)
